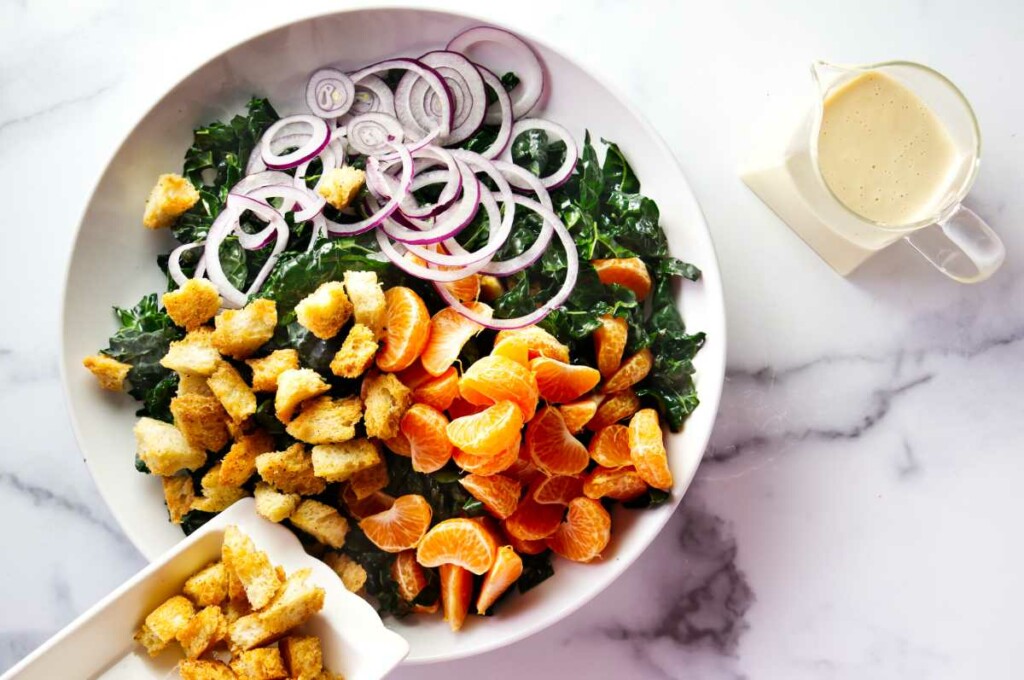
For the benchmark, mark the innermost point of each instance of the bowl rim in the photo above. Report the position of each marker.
(713, 377)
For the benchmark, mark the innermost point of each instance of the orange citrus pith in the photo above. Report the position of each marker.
(558, 382)
(449, 331)
(552, 448)
(508, 567)
(609, 447)
(647, 449)
(577, 414)
(621, 484)
(424, 427)
(610, 343)
(630, 272)
(401, 526)
(459, 541)
(486, 433)
(632, 371)
(438, 392)
(496, 378)
(557, 490)
(615, 407)
(499, 494)
(485, 466)
(539, 342)
(456, 594)
(585, 533)
(406, 330)
(408, 575)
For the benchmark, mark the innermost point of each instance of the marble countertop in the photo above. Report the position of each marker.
(857, 513)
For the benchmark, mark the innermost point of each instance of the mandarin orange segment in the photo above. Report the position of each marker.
(557, 490)
(585, 533)
(577, 414)
(408, 575)
(496, 378)
(552, 448)
(621, 484)
(460, 541)
(508, 567)
(487, 433)
(630, 272)
(539, 342)
(499, 494)
(371, 505)
(464, 290)
(456, 594)
(401, 526)
(449, 331)
(532, 521)
(610, 343)
(514, 347)
(526, 547)
(647, 449)
(558, 382)
(425, 428)
(615, 407)
(485, 466)
(460, 407)
(438, 392)
(632, 371)
(609, 447)
(414, 376)
(399, 444)
(406, 329)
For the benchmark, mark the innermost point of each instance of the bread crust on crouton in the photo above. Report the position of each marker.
(341, 185)
(273, 505)
(234, 394)
(172, 196)
(290, 471)
(302, 655)
(324, 420)
(217, 497)
(320, 521)
(260, 664)
(368, 481)
(193, 304)
(178, 494)
(338, 462)
(202, 420)
(109, 372)
(296, 601)
(198, 669)
(203, 632)
(194, 353)
(193, 383)
(252, 567)
(164, 623)
(239, 463)
(294, 386)
(351, 573)
(240, 332)
(265, 370)
(164, 449)
(368, 304)
(385, 402)
(324, 311)
(356, 353)
(209, 586)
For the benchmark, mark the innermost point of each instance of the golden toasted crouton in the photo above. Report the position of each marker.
(386, 401)
(209, 586)
(320, 521)
(302, 656)
(266, 369)
(356, 353)
(367, 298)
(178, 494)
(351, 572)
(295, 386)
(109, 372)
(327, 675)
(194, 353)
(216, 497)
(295, 603)
(196, 669)
(290, 471)
(251, 566)
(193, 383)
(324, 311)
(240, 332)
(324, 420)
(193, 304)
(369, 481)
(273, 505)
(164, 623)
(164, 449)
(490, 288)
(237, 608)
(170, 198)
(341, 185)
(338, 462)
(202, 632)
(239, 463)
(235, 396)
(202, 420)
(259, 664)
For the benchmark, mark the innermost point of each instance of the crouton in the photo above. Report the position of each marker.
(324, 420)
(274, 505)
(164, 623)
(386, 401)
(338, 462)
(369, 481)
(290, 471)
(109, 372)
(320, 521)
(295, 386)
(490, 288)
(251, 566)
(193, 304)
(367, 298)
(172, 196)
(302, 656)
(205, 670)
(266, 369)
(178, 494)
(324, 311)
(259, 664)
(202, 420)
(296, 601)
(240, 332)
(216, 497)
(202, 632)
(164, 449)
(239, 463)
(234, 395)
(341, 185)
(351, 573)
(235, 609)
(356, 353)
(208, 587)
(193, 383)
(194, 353)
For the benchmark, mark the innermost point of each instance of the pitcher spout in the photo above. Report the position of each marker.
(825, 74)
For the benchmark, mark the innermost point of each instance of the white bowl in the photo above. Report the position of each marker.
(113, 263)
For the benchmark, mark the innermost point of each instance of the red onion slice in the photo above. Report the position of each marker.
(369, 133)
(219, 230)
(432, 78)
(333, 156)
(396, 254)
(505, 107)
(174, 262)
(451, 191)
(469, 98)
(528, 66)
(330, 93)
(238, 204)
(528, 179)
(310, 203)
(260, 179)
(378, 217)
(372, 96)
(572, 152)
(317, 139)
(461, 257)
(447, 224)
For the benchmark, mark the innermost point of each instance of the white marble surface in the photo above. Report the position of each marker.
(858, 513)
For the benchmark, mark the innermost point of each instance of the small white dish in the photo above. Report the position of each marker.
(99, 644)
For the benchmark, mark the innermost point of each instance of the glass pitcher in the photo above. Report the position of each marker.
(953, 238)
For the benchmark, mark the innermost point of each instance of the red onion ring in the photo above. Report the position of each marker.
(447, 224)
(174, 262)
(428, 74)
(369, 133)
(372, 96)
(378, 217)
(572, 152)
(528, 179)
(469, 98)
(501, 141)
(317, 140)
(532, 81)
(333, 156)
(211, 251)
(330, 93)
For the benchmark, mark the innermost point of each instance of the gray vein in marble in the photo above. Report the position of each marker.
(19, 369)
(908, 466)
(55, 107)
(43, 497)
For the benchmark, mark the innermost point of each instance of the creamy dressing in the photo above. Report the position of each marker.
(883, 152)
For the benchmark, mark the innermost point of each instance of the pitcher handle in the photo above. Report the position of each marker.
(962, 246)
